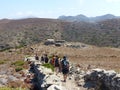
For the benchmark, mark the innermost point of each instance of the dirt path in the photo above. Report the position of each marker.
(70, 83)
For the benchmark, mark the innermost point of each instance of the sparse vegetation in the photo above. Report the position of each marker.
(18, 63)
(20, 46)
(47, 65)
(17, 69)
(8, 88)
(2, 62)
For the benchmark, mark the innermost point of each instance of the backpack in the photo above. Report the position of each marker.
(56, 62)
(52, 61)
(65, 64)
(46, 59)
(36, 57)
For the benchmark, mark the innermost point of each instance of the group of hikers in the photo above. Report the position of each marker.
(60, 64)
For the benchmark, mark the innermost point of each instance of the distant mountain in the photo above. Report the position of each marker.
(74, 18)
(17, 33)
(84, 18)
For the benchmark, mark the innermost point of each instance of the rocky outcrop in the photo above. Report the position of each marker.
(103, 80)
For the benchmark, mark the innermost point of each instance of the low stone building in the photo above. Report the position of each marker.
(59, 42)
(49, 42)
(54, 42)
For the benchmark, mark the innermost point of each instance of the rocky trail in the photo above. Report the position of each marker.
(95, 79)
(48, 80)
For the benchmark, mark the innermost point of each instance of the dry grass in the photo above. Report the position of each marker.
(97, 57)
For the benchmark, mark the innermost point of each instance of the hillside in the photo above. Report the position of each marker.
(18, 33)
(28, 31)
(105, 33)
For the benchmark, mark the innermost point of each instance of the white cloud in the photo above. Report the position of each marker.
(112, 1)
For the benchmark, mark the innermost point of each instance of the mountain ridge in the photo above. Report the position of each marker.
(84, 18)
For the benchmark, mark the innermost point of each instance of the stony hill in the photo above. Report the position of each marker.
(17, 33)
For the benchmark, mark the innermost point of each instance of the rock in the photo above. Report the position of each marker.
(98, 70)
(3, 81)
(56, 87)
(3, 72)
(45, 70)
(15, 84)
(117, 77)
(110, 73)
(30, 59)
(81, 82)
(110, 80)
(50, 80)
(11, 78)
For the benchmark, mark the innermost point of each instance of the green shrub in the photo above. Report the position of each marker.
(2, 62)
(48, 65)
(17, 69)
(20, 46)
(18, 63)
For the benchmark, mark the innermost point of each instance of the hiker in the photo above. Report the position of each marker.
(42, 59)
(52, 60)
(56, 64)
(46, 58)
(60, 68)
(65, 67)
(36, 57)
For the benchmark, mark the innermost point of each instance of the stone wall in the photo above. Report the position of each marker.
(46, 78)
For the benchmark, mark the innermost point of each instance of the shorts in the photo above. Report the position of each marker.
(65, 71)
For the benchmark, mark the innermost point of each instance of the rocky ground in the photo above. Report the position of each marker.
(87, 57)
(93, 79)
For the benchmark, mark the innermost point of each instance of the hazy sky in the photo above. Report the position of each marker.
(55, 8)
